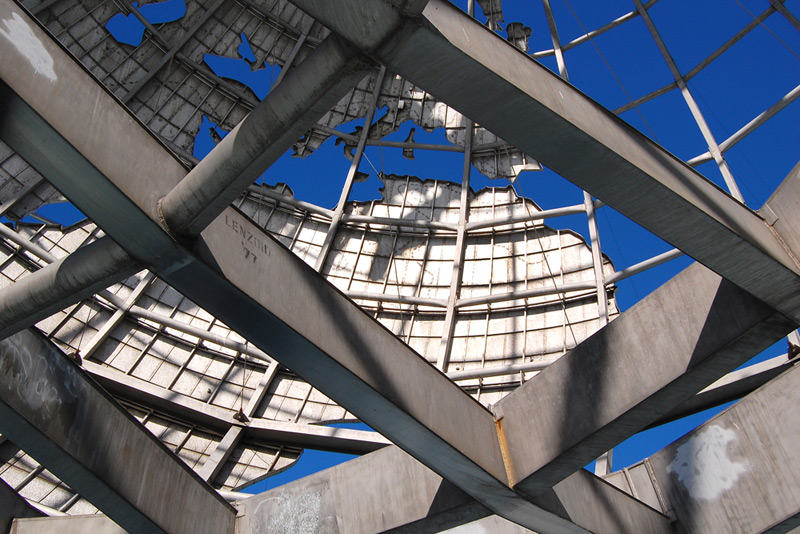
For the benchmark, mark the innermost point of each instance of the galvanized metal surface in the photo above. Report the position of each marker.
(527, 294)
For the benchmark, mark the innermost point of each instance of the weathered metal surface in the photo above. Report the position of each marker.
(49, 407)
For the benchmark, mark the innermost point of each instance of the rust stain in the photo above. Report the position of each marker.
(504, 451)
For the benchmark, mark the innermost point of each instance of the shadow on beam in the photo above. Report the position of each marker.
(62, 418)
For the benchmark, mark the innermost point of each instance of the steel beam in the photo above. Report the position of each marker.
(13, 506)
(283, 306)
(252, 283)
(731, 387)
(682, 337)
(234, 270)
(260, 139)
(216, 418)
(77, 524)
(485, 78)
(739, 471)
(62, 283)
(388, 491)
(292, 107)
(48, 407)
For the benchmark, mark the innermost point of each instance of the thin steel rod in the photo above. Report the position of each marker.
(763, 117)
(562, 67)
(526, 293)
(404, 144)
(594, 33)
(446, 345)
(409, 223)
(117, 317)
(780, 8)
(351, 173)
(289, 201)
(167, 58)
(204, 335)
(644, 265)
(401, 299)
(597, 261)
(594, 237)
(298, 45)
(501, 370)
(713, 147)
(528, 217)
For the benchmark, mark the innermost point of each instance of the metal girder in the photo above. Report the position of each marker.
(295, 105)
(252, 283)
(215, 418)
(731, 387)
(389, 491)
(306, 93)
(235, 271)
(65, 282)
(13, 506)
(478, 73)
(737, 472)
(672, 344)
(50, 408)
(73, 524)
(259, 288)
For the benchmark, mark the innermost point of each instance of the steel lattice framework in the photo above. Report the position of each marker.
(234, 321)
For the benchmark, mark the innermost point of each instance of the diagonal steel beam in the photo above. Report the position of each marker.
(235, 271)
(672, 344)
(481, 75)
(707, 478)
(328, 340)
(13, 506)
(126, 387)
(49, 407)
(258, 287)
(388, 491)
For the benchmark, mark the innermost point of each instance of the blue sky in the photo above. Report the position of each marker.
(621, 64)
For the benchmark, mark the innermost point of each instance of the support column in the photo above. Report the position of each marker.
(389, 491)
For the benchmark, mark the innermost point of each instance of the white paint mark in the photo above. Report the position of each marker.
(21, 36)
(297, 514)
(702, 464)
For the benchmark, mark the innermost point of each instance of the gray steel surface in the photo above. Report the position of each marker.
(475, 282)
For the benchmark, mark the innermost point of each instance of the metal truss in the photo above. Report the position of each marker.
(512, 459)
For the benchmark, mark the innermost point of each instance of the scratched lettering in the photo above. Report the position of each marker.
(252, 244)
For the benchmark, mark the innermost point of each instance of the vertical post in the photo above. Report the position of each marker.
(597, 260)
